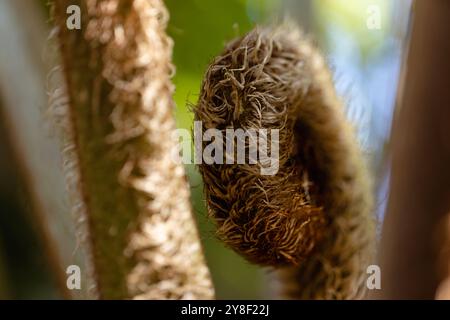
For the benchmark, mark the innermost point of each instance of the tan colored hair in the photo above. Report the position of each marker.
(117, 70)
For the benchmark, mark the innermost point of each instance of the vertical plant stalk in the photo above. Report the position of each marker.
(420, 180)
(34, 150)
(312, 219)
(142, 232)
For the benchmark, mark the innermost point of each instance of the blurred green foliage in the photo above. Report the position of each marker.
(350, 17)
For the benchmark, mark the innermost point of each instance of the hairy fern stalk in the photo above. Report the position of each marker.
(141, 230)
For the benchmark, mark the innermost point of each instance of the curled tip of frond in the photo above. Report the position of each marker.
(274, 78)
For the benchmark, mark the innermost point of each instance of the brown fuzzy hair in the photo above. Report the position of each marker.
(312, 218)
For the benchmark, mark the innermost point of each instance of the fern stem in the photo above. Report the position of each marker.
(117, 69)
